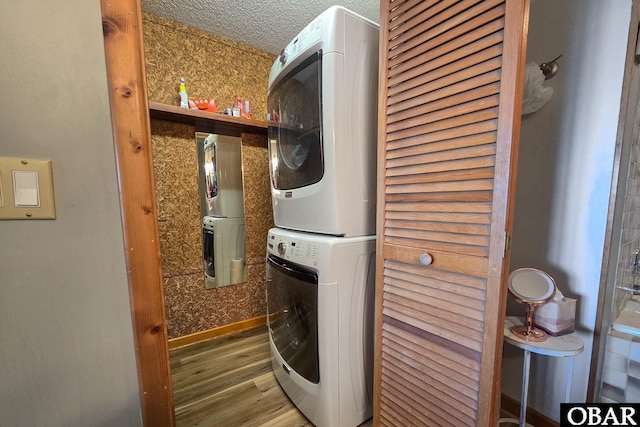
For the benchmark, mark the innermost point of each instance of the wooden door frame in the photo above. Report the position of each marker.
(127, 83)
(122, 28)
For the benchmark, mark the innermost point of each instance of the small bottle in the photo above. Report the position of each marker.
(184, 100)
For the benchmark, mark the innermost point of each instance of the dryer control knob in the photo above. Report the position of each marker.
(282, 248)
(283, 56)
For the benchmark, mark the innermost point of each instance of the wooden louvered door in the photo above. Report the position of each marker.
(451, 89)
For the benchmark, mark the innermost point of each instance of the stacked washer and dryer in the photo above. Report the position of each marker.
(322, 102)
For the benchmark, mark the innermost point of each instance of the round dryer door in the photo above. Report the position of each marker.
(292, 304)
(295, 136)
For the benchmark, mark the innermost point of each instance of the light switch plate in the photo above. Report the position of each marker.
(42, 168)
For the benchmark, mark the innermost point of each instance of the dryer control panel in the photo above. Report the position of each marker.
(292, 249)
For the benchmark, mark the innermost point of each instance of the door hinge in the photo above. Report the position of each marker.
(507, 243)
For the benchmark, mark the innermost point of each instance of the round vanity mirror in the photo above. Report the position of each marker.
(532, 287)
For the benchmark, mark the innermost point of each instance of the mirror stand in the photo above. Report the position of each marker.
(532, 287)
(527, 331)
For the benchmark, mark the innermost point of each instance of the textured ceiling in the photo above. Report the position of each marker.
(268, 25)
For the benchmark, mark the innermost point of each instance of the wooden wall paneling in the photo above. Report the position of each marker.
(509, 120)
(386, 16)
(449, 112)
(121, 20)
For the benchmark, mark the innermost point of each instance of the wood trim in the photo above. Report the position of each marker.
(124, 54)
(467, 264)
(509, 119)
(512, 406)
(241, 326)
(207, 121)
(383, 75)
(629, 112)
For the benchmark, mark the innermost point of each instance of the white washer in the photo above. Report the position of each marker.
(320, 305)
(322, 106)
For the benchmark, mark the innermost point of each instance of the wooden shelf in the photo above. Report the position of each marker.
(205, 121)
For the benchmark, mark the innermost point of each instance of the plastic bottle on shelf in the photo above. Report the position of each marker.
(184, 100)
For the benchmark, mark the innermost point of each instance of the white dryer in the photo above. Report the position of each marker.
(320, 305)
(322, 106)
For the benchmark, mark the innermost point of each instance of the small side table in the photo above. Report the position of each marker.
(569, 345)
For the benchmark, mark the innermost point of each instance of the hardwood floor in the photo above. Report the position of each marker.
(228, 382)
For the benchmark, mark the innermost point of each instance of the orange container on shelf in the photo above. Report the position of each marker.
(213, 107)
(206, 104)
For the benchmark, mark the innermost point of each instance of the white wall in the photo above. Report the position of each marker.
(564, 176)
(66, 343)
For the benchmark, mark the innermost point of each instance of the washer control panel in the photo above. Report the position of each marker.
(282, 248)
(292, 249)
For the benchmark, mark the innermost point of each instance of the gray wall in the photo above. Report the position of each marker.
(66, 343)
(564, 177)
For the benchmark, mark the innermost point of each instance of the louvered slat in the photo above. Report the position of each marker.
(430, 368)
(429, 348)
(405, 409)
(464, 371)
(439, 217)
(441, 388)
(406, 7)
(455, 90)
(434, 115)
(411, 380)
(472, 169)
(425, 311)
(454, 331)
(445, 94)
(444, 33)
(417, 71)
(464, 228)
(461, 153)
(410, 25)
(433, 301)
(447, 58)
(439, 207)
(459, 244)
(404, 17)
(462, 196)
(445, 154)
(442, 187)
(462, 169)
(419, 135)
(471, 298)
(454, 175)
(466, 136)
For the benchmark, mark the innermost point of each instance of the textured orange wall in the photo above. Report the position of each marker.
(211, 65)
